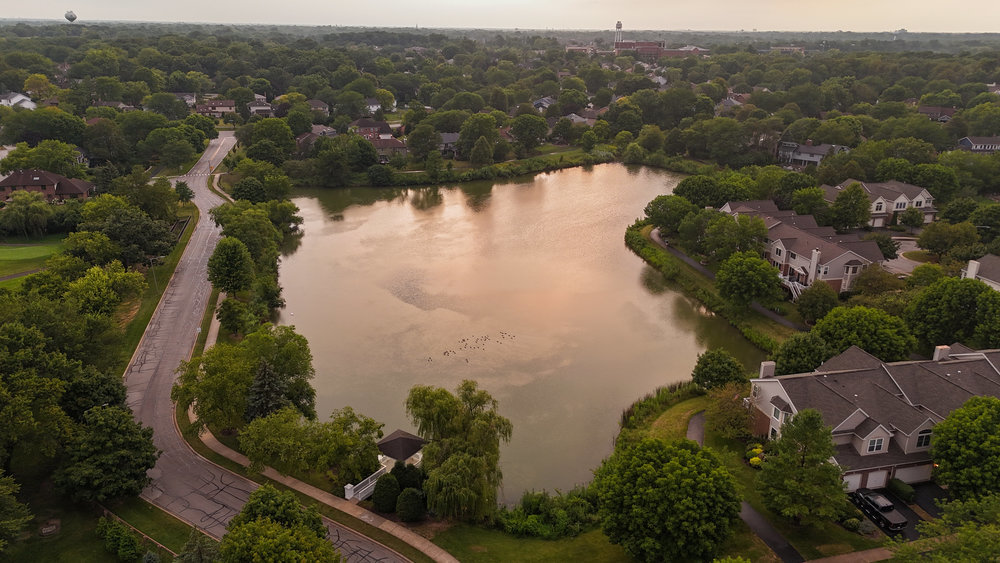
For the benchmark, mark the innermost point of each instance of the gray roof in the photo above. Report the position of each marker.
(400, 445)
(780, 403)
(850, 460)
(989, 267)
(889, 190)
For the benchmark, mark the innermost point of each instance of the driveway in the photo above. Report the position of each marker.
(185, 484)
(925, 494)
(910, 531)
(901, 265)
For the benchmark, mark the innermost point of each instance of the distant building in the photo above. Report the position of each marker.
(54, 187)
(788, 50)
(801, 155)
(987, 145)
(652, 50)
(262, 109)
(937, 113)
(371, 129)
(888, 198)
(388, 148)
(17, 100)
(216, 108)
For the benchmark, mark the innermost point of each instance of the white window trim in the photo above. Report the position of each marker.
(875, 445)
(922, 436)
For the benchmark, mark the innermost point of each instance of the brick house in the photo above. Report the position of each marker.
(53, 186)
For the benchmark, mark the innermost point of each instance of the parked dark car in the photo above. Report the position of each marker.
(879, 509)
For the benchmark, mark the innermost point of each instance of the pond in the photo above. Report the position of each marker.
(524, 286)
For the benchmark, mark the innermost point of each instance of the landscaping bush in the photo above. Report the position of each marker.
(410, 505)
(386, 493)
(851, 524)
(901, 490)
(867, 527)
(548, 516)
(408, 476)
(150, 557)
(119, 539)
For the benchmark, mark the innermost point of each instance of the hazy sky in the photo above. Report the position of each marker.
(848, 15)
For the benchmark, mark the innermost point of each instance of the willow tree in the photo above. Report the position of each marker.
(462, 456)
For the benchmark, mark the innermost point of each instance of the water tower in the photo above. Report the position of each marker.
(618, 32)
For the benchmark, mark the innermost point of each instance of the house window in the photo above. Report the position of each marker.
(918, 203)
(900, 205)
(924, 438)
(878, 206)
(850, 269)
(777, 252)
(776, 413)
(791, 255)
(754, 390)
(826, 270)
(774, 433)
(875, 445)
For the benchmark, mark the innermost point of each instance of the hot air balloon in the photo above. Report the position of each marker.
(71, 16)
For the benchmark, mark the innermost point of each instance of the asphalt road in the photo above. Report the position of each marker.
(184, 483)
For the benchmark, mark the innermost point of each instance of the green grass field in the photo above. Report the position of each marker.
(473, 544)
(18, 255)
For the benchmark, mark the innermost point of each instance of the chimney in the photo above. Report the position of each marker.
(941, 353)
(809, 142)
(972, 270)
(813, 266)
(766, 369)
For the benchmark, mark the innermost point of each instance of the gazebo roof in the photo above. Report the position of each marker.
(400, 445)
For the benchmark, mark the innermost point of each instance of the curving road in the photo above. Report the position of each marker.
(185, 484)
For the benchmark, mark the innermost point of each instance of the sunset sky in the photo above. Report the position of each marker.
(764, 15)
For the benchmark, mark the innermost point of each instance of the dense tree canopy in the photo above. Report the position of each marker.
(876, 332)
(666, 502)
(966, 449)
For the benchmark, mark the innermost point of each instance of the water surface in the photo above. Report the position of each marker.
(526, 287)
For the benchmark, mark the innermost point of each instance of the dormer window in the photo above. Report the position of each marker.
(878, 206)
(777, 252)
(924, 438)
(875, 445)
(918, 203)
(900, 205)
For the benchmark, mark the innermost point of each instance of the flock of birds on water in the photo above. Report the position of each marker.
(475, 343)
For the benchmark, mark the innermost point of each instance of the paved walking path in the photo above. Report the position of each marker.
(20, 274)
(183, 483)
(755, 520)
(655, 236)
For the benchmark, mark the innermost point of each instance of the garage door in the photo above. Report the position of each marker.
(853, 481)
(917, 474)
(877, 479)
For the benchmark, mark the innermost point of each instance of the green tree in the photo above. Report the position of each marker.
(938, 237)
(26, 213)
(885, 244)
(482, 153)
(476, 126)
(529, 130)
(716, 368)
(275, 130)
(727, 415)
(943, 312)
(667, 211)
(462, 455)
(966, 451)
(280, 507)
(912, 218)
(230, 268)
(234, 316)
(13, 514)
(101, 289)
(422, 141)
(199, 548)
(727, 235)
(266, 540)
(876, 332)
(108, 458)
(798, 481)
(157, 198)
(876, 280)
(968, 530)
(745, 277)
(811, 201)
(816, 301)
(851, 209)
(666, 502)
(386, 493)
(49, 155)
(183, 191)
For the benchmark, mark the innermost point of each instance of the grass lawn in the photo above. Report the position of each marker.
(153, 522)
(474, 544)
(206, 322)
(157, 278)
(13, 285)
(177, 170)
(919, 256)
(385, 538)
(24, 255)
(673, 423)
(812, 542)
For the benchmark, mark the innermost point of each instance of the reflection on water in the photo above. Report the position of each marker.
(525, 286)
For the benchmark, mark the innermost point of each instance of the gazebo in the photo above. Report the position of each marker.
(401, 445)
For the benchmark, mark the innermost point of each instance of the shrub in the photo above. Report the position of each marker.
(755, 462)
(410, 505)
(150, 557)
(866, 527)
(851, 524)
(408, 476)
(547, 516)
(901, 490)
(119, 539)
(386, 493)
